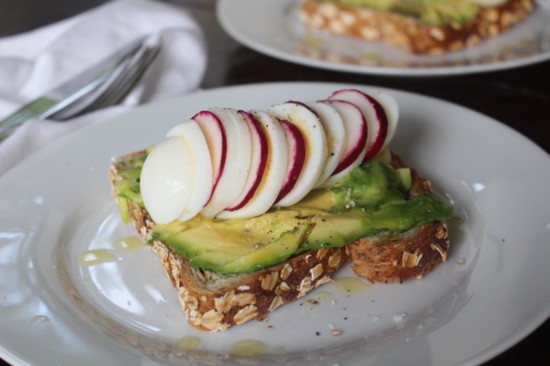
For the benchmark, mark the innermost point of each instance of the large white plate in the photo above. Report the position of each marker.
(492, 291)
(273, 28)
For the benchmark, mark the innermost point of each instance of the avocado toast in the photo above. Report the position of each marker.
(379, 213)
(426, 27)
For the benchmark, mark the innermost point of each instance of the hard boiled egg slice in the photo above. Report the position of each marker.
(315, 139)
(199, 155)
(167, 180)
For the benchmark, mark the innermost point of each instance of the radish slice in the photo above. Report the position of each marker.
(336, 136)
(257, 162)
(237, 162)
(375, 115)
(309, 125)
(214, 133)
(392, 111)
(275, 170)
(355, 146)
(296, 156)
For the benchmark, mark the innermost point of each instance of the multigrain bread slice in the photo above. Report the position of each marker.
(216, 302)
(410, 33)
(397, 258)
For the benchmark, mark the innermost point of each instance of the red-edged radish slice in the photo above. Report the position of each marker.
(258, 161)
(214, 133)
(237, 162)
(275, 170)
(355, 146)
(310, 127)
(375, 115)
(296, 156)
(336, 136)
(392, 112)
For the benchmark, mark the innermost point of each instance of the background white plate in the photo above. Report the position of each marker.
(273, 28)
(492, 291)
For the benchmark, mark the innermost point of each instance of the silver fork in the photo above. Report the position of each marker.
(117, 86)
(105, 89)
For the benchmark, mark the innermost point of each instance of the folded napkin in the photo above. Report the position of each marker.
(35, 62)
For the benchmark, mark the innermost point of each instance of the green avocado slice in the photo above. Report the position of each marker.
(373, 198)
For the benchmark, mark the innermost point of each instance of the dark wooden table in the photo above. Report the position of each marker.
(519, 97)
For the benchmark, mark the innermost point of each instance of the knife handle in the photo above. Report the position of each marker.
(34, 109)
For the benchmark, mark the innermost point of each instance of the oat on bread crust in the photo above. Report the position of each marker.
(407, 32)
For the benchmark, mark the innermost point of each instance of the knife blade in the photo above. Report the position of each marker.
(70, 91)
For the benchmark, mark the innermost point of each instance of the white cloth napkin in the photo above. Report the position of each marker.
(35, 62)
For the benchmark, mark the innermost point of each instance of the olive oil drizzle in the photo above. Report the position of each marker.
(94, 257)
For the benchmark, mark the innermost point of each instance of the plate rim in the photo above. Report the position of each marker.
(497, 348)
(412, 72)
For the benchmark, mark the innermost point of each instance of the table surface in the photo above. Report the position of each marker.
(518, 97)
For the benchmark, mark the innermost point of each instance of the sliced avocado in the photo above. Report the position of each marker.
(124, 210)
(214, 244)
(240, 246)
(405, 176)
(129, 173)
(371, 199)
(337, 230)
(277, 251)
(368, 186)
(130, 189)
(384, 156)
(428, 11)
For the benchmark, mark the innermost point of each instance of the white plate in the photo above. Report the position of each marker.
(492, 291)
(272, 27)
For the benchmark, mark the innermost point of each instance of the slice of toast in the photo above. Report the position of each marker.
(408, 32)
(213, 302)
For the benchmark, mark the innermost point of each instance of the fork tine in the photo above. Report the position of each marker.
(78, 106)
(109, 92)
(120, 87)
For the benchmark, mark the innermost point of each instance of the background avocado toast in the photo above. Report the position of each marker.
(380, 214)
(429, 27)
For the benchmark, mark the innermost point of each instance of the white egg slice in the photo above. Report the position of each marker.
(274, 173)
(237, 162)
(167, 180)
(336, 136)
(193, 138)
(313, 132)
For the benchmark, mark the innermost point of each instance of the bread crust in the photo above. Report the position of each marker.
(215, 302)
(408, 32)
